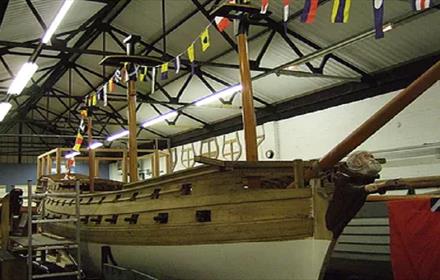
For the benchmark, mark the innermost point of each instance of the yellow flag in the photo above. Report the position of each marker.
(164, 71)
(191, 54)
(204, 39)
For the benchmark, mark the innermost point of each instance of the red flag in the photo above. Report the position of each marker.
(285, 10)
(264, 6)
(309, 11)
(414, 239)
(222, 23)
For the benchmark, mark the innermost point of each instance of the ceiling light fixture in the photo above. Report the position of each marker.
(4, 109)
(118, 135)
(160, 118)
(72, 154)
(215, 96)
(95, 145)
(56, 22)
(24, 75)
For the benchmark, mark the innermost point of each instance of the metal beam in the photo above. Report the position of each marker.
(385, 82)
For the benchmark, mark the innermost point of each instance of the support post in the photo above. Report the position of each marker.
(91, 156)
(249, 120)
(58, 161)
(132, 141)
(124, 167)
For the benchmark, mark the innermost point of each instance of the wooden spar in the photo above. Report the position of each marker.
(249, 120)
(381, 117)
(91, 155)
(132, 141)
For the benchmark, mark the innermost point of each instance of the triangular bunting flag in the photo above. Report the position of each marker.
(378, 18)
(285, 10)
(164, 71)
(111, 86)
(309, 11)
(204, 39)
(340, 11)
(132, 72)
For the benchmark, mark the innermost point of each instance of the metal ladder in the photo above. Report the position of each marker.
(39, 242)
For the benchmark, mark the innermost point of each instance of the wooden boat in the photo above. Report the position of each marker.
(205, 223)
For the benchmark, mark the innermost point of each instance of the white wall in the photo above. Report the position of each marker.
(310, 136)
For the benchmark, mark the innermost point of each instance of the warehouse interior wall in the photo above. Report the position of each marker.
(410, 141)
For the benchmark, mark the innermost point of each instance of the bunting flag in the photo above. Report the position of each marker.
(191, 56)
(419, 5)
(102, 95)
(132, 70)
(264, 6)
(378, 18)
(340, 11)
(204, 40)
(117, 76)
(83, 112)
(285, 11)
(309, 11)
(111, 86)
(222, 23)
(82, 126)
(164, 71)
(78, 142)
(177, 64)
(124, 73)
(153, 79)
(143, 73)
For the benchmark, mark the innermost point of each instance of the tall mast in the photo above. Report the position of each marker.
(91, 155)
(247, 98)
(132, 124)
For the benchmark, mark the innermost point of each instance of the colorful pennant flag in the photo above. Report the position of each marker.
(191, 56)
(204, 39)
(117, 76)
(111, 86)
(91, 99)
(378, 18)
(309, 12)
(124, 73)
(419, 5)
(78, 142)
(177, 64)
(82, 126)
(222, 23)
(143, 73)
(153, 79)
(285, 11)
(164, 71)
(340, 11)
(264, 6)
(102, 95)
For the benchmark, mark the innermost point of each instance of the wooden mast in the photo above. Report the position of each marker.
(249, 119)
(132, 123)
(91, 155)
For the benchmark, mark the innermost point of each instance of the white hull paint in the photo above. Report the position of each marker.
(293, 259)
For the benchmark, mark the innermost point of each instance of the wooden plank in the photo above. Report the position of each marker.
(6, 223)
(320, 204)
(246, 164)
(298, 173)
(58, 161)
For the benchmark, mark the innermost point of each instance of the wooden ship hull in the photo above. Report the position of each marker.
(205, 222)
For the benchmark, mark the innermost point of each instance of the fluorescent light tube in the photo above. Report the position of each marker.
(160, 118)
(72, 154)
(4, 109)
(56, 22)
(24, 75)
(95, 145)
(118, 135)
(215, 96)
